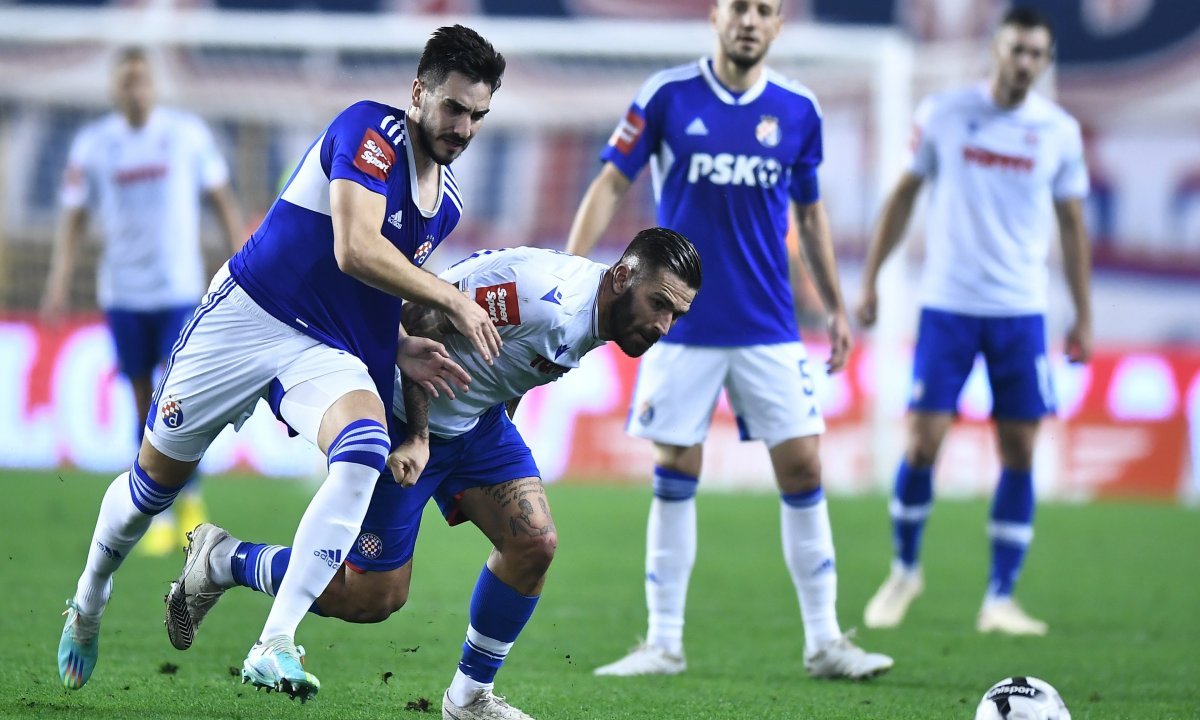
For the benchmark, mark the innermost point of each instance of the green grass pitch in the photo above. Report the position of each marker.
(1118, 583)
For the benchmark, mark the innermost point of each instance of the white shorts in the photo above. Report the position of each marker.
(227, 357)
(769, 386)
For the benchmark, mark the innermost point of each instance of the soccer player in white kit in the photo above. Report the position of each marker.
(998, 156)
(143, 169)
(550, 309)
(306, 315)
(734, 149)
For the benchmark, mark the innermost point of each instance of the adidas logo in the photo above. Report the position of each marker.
(696, 127)
(394, 219)
(332, 558)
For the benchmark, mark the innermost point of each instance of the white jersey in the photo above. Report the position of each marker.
(543, 303)
(145, 184)
(995, 173)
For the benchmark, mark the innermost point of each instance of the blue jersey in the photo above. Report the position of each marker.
(288, 266)
(724, 167)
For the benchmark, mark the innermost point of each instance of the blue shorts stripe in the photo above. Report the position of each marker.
(216, 297)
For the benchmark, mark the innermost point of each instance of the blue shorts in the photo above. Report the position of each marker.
(144, 338)
(491, 453)
(1014, 349)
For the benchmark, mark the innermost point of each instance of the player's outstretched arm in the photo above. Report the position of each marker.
(597, 209)
(366, 255)
(897, 209)
(812, 225)
(1077, 265)
(230, 215)
(67, 237)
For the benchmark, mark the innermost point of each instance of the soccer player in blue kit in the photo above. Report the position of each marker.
(734, 148)
(1000, 160)
(306, 315)
(551, 309)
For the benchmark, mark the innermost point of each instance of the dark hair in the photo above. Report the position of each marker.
(131, 54)
(460, 49)
(1027, 18)
(658, 249)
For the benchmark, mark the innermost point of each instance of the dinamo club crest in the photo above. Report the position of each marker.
(767, 131)
(422, 253)
(172, 412)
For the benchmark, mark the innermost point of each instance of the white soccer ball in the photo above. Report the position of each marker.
(1022, 698)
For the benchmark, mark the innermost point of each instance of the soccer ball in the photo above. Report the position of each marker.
(1022, 698)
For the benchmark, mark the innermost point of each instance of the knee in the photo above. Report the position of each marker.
(800, 474)
(367, 608)
(532, 555)
(678, 459)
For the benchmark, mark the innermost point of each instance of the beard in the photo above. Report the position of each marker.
(428, 143)
(744, 60)
(632, 342)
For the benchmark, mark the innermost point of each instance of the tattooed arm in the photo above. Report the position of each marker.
(425, 321)
(409, 458)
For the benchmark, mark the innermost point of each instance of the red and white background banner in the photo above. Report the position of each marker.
(1128, 423)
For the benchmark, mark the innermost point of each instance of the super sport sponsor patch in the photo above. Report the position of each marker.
(375, 155)
(500, 302)
(628, 131)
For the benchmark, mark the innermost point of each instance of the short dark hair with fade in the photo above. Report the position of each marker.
(460, 49)
(1027, 18)
(658, 249)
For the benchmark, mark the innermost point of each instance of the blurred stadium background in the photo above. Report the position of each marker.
(269, 74)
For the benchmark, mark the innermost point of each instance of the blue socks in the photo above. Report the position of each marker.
(260, 567)
(910, 506)
(498, 614)
(1010, 530)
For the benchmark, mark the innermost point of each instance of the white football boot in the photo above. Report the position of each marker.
(194, 593)
(1004, 615)
(841, 658)
(645, 659)
(890, 602)
(486, 706)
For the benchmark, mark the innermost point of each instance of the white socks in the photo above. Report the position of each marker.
(670, 555)
(808, 552)
(326, 533)
(119, 526)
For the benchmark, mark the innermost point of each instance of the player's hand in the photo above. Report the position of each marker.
(839, 342)
(408, 461)
(427, 363)
(474, 324)
(1079, 342)
(867, 311)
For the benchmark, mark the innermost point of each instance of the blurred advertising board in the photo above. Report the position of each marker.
(1128, 422)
